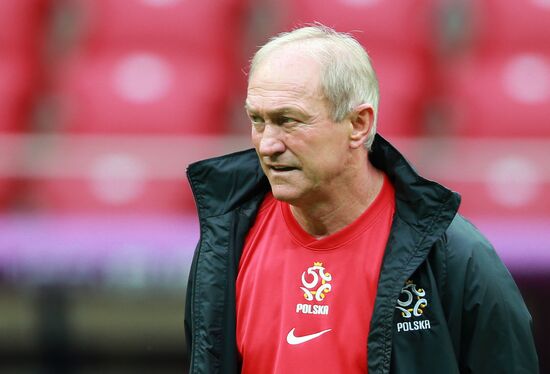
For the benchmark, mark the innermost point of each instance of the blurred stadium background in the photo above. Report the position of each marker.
(103, 104)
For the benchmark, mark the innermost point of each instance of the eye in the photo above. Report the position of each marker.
(257, 121)
(254, 118)
(283, 120)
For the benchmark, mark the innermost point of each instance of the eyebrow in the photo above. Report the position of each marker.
(278, 112)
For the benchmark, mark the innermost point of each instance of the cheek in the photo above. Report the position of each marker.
(255, 138)
(330, 163)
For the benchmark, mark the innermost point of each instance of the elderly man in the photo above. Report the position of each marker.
(322, 251)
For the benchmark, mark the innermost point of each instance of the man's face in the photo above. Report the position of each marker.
(303, 152)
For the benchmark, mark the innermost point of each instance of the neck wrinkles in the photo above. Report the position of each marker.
(329, 216)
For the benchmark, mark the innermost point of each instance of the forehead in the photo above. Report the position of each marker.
(289, 61)
(288, 73)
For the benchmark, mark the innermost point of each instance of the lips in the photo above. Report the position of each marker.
(281, 168)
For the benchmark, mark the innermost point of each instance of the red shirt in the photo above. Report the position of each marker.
(304, 305)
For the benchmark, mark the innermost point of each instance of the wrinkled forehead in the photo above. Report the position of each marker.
(287, 82)
(292, 65)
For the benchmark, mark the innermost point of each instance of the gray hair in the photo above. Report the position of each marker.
(348, 78)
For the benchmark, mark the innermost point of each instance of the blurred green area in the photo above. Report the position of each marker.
(60, 329)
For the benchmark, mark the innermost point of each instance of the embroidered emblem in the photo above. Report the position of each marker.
(315, 282)
(411, 301)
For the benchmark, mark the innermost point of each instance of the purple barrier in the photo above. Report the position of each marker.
(524, 245)
(136, 250)
(144, 250)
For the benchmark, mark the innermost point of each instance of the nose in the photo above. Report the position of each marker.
(270, 141)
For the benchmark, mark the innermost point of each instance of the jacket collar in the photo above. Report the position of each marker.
(224, 183)
(423, 212)
(417, 199)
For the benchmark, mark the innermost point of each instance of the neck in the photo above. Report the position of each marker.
(333, 213)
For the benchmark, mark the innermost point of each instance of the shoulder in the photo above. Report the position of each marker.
(464, 245)
(468, 268)
(463, 233)
(484, 309)
(472, 269)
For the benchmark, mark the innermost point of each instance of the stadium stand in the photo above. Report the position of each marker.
(21, 40)
(509, 25)
(22, 21)
(500, 86)
(502, 178)
(150, 69)
(501, 95)
(143, 91)
(147, 67)
(113, 174)
(204, 28)
(16, 91)
(109, 194)
(22, 27)
(497, 93)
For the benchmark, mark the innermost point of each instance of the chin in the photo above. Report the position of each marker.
(283, 194)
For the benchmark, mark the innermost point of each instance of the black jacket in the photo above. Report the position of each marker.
(459, 309)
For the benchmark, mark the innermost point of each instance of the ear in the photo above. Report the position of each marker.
(361, 121)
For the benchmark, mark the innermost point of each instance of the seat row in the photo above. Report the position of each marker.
(177, 68)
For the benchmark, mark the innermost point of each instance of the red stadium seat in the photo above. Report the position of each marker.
(497, 177)
(377, 24)
(486, 198)
(6, 188)
(404, 86)
(209, 27)
(144, 91)
(16, 84)
(130, 174)
(22, 23)
(501, 96)
(11, 158)
(85, 196)
(152, 66)
(511, 25)
(116, 182)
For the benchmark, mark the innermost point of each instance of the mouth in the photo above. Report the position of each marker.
(281, 168)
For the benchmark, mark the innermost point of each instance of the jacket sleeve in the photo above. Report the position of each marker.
(493, 323)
